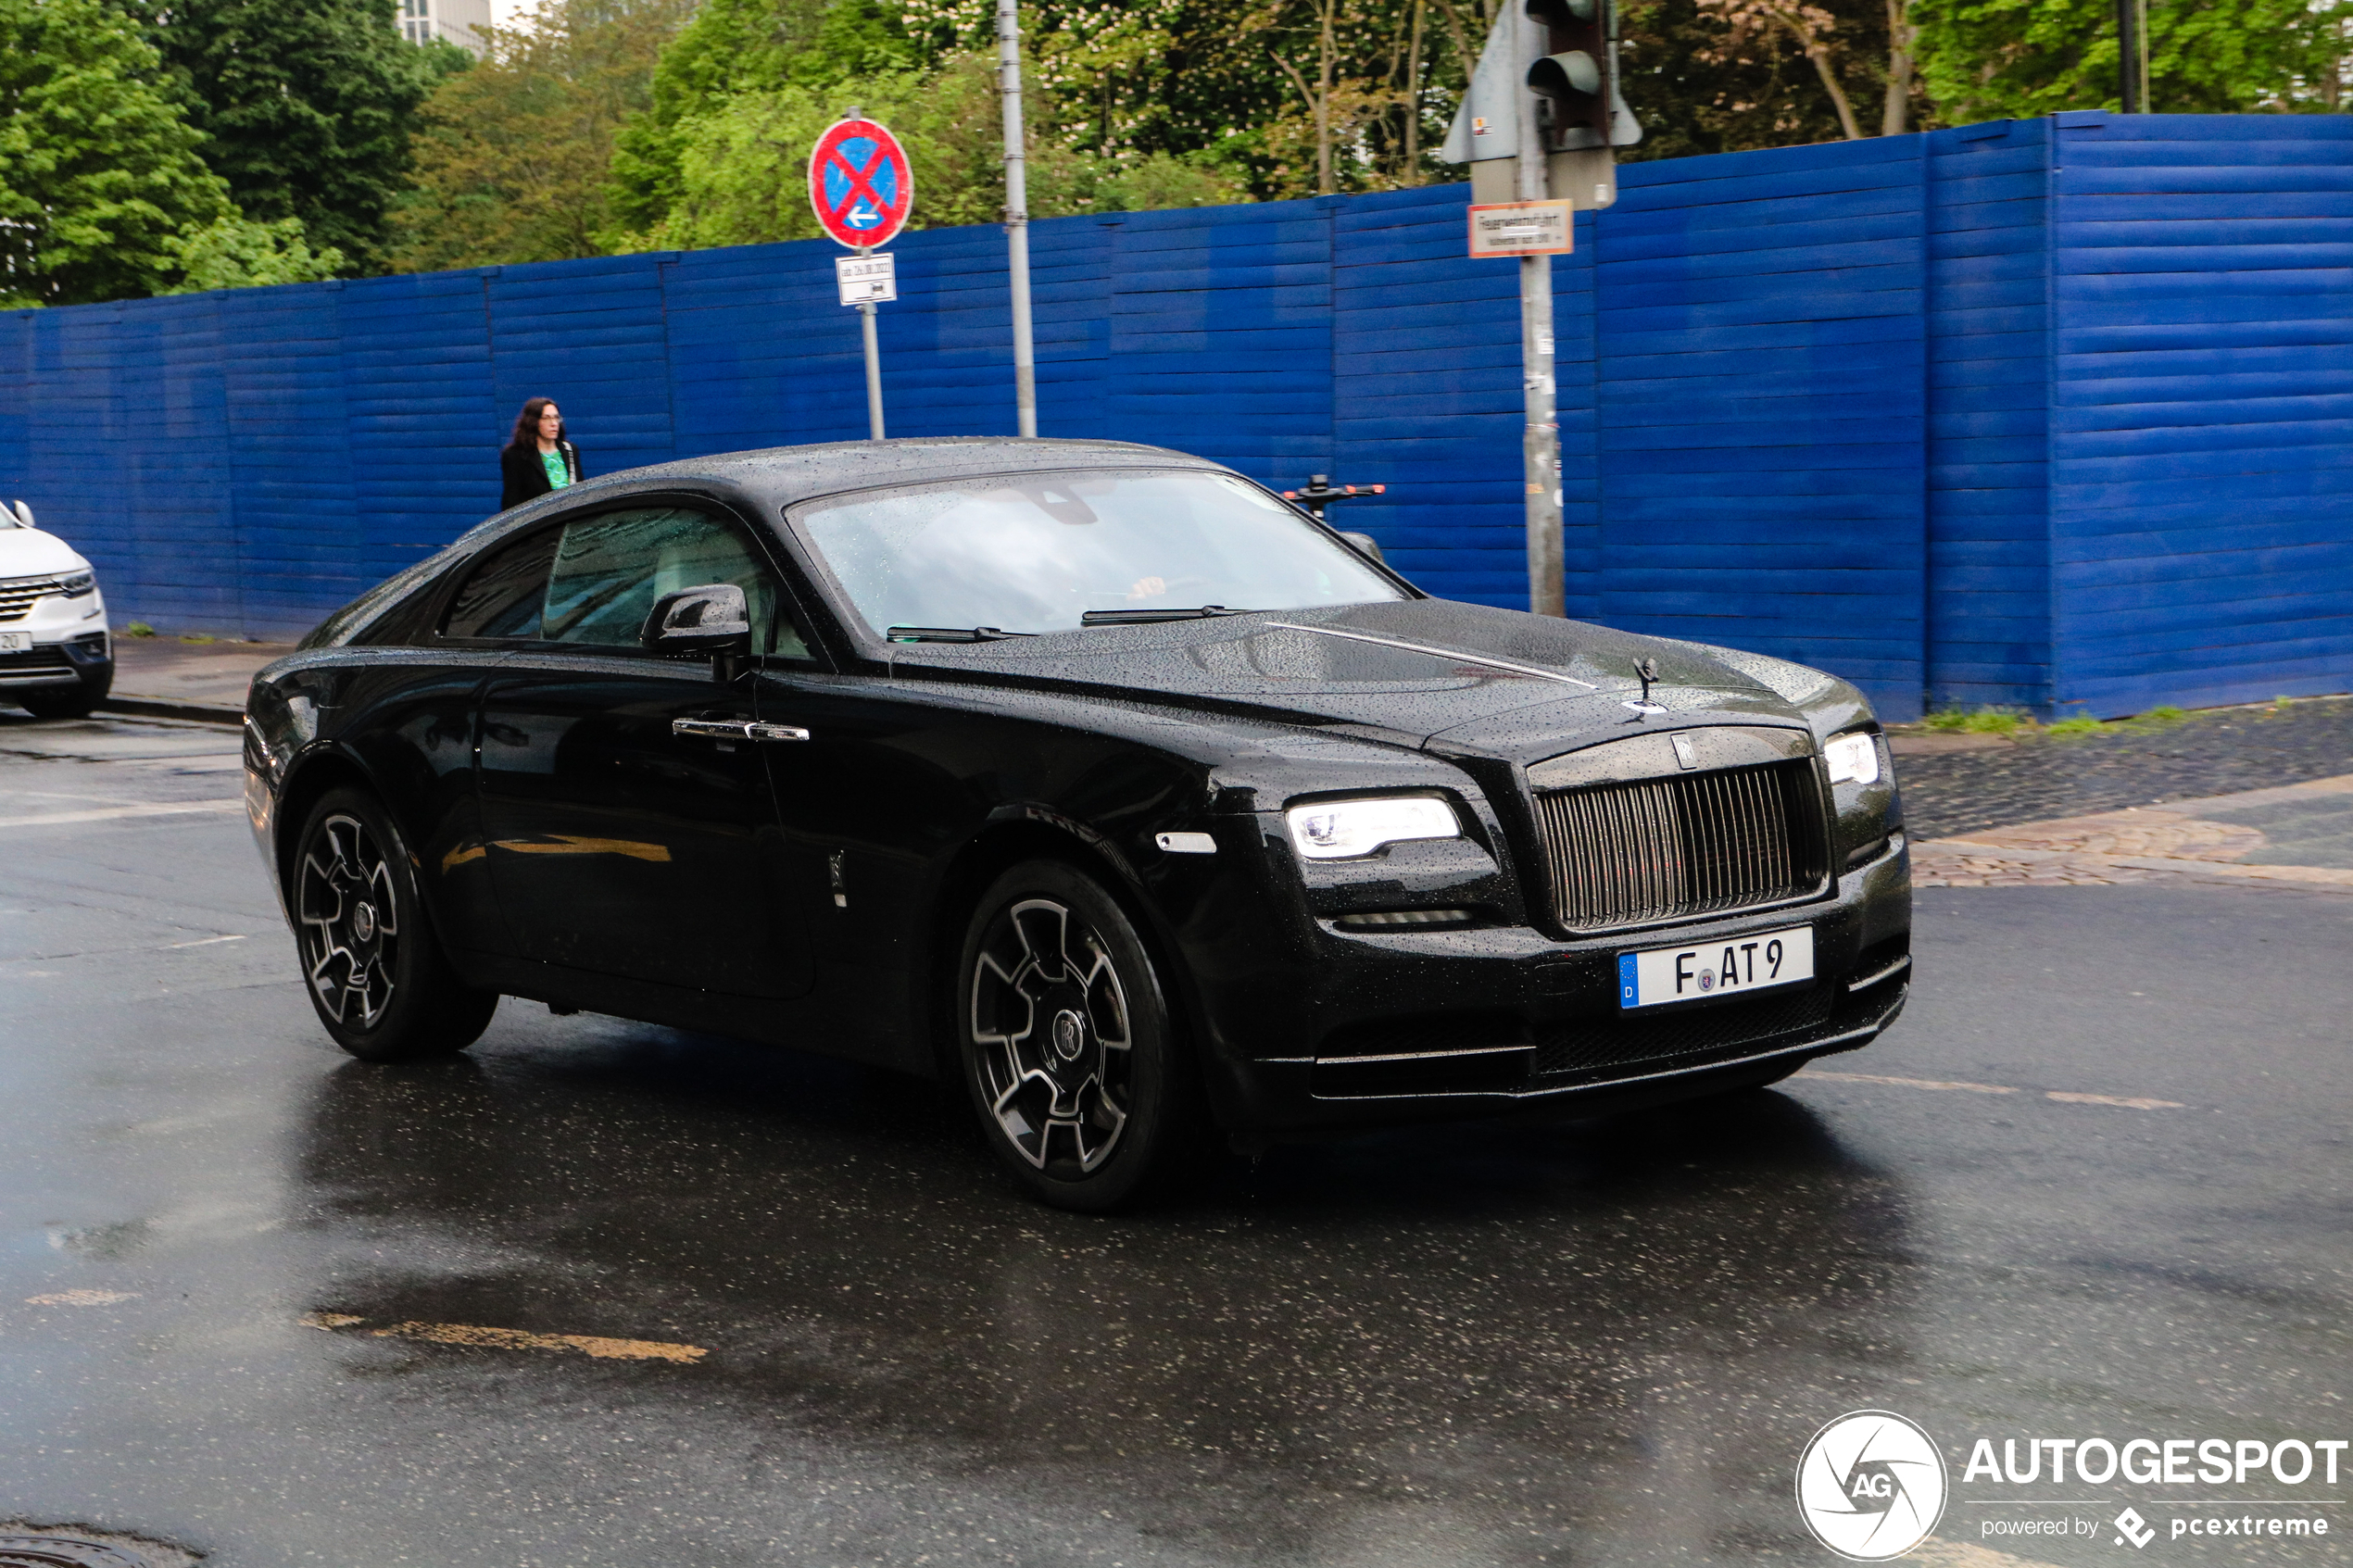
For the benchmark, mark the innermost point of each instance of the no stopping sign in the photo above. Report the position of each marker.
(860, 182)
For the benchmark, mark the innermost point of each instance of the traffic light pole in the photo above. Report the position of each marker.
(1017, 214)
(1539, 446)
(2128, 57)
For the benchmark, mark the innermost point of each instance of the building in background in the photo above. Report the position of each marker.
(459, 22)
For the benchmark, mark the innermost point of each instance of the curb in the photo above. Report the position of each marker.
(158, 707)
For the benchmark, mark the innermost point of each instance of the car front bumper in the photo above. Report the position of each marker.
(1420, 1025)
(57, 660)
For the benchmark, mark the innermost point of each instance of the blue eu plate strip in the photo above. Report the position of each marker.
(1630, 990)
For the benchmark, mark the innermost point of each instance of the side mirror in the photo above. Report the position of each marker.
(712, 619)
(1365, 545)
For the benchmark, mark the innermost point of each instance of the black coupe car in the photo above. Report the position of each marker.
(1094, 775)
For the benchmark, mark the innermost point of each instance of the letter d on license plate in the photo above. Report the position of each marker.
(1743, 963)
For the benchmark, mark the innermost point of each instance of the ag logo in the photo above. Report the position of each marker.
(1870, 1485)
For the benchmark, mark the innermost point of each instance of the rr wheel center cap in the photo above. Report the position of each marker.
(363, 923)
(1069, 1034)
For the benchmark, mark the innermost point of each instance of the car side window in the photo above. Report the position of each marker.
(595, 580)
(610, 569)
(503, 595)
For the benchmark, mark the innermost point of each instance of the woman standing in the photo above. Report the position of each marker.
(538, 459)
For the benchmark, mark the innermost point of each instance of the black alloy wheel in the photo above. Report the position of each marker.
(374, 971)
(1068, 1049)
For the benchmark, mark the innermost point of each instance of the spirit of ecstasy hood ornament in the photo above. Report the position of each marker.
(1645, 670)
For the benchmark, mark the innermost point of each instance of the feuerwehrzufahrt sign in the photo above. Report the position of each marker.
(1545, 228)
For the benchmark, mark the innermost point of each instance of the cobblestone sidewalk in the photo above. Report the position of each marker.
(2296, 835)
(2215, 752)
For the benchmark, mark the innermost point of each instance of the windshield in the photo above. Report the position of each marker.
(1035, 552)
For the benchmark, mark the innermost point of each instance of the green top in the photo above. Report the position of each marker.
(559, 471)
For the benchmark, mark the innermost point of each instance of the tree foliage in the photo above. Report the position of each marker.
(308, 105)
(513, 155)
(237, 253)
(720, 156)
(1704, 78)
(99, 172)
(1989, 59)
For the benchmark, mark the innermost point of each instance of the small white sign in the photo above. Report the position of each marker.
(866, 279)
(1545, 228)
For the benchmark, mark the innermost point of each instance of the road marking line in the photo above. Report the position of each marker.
(111, 813)
(1908, 1083)
(2128, 1102)
(1935, 1552)
(517, 1339)
(82, 1299)
(203, 942)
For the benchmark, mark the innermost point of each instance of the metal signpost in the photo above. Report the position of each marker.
(1017, 215)
(1542, 115)
(1541, 441)
(862, 189)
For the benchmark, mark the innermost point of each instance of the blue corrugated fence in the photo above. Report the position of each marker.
(2056, 412)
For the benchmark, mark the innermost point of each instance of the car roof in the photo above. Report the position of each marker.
(783, 475)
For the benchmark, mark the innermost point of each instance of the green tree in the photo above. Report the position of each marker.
(308, 105)
(742, 179)
(1991, 59)
(99, 172)
(237, 253)
(735, 47)
(512, 156)
(1698, 86)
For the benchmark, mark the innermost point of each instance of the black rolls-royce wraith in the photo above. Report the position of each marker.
(1093, 775)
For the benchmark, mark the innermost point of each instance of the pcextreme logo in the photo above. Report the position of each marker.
(1870, 1485)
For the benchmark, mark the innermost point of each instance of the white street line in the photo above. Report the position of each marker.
(1908, 1083)
(2128, 1102)
(204, 942)
(111, 813)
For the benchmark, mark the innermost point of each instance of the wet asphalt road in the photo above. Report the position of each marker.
(1588, 1343)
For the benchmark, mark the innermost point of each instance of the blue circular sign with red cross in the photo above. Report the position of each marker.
(860, 182)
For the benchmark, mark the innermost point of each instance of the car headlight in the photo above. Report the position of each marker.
(1335, 830)
(77, 583)
(1853, 759)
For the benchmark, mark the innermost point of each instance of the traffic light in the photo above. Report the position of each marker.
(1573, 77)
(1580, 107)
(1577, 77)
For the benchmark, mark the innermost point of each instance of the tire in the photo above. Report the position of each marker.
(375, 972)
(61, 702)
(1075, 1069)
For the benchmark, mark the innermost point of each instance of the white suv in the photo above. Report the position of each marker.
(55, 659)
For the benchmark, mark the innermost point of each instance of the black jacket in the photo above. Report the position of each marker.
(523, 474)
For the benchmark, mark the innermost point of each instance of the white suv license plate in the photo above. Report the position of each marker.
(16, 642)
(1714, 968)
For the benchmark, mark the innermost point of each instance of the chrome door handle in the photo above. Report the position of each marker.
(712, 729)
(735, 729)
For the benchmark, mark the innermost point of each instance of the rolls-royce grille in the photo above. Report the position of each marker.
(1654, 850)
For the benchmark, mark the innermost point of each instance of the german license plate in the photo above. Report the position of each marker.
(16, 642)
(1715, 968)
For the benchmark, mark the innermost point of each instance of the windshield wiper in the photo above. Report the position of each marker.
(1147, 617)
(950, 635)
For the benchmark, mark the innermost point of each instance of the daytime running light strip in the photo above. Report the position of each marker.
(1439, 653)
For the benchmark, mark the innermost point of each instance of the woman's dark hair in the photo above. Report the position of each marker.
(527, 423)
